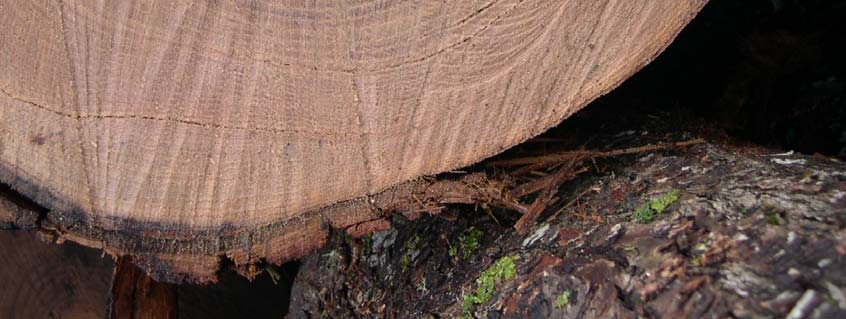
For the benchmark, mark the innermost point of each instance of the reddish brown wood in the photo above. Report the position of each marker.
(45, 280)
(137, 296)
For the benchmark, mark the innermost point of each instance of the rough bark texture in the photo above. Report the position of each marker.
(752, 234)
(179, 132)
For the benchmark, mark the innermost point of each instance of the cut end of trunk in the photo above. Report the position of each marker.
(250, 132)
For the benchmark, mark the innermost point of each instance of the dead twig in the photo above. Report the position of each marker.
(562, 156)
(569, 168)
(570, 203)
(528, 219)
(548, 186)
(551, 171)
(542, 183)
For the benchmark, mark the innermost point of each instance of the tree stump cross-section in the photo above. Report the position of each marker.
(180, 132)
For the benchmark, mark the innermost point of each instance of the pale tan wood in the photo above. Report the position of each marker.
(194, 116)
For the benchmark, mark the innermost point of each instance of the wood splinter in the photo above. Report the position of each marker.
(548, 185)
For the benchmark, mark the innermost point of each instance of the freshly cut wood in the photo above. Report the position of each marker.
(182, 131)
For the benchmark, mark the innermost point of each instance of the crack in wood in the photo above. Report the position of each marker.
(451, 46)
(181, 121)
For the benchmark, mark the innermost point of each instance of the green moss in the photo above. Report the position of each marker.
(412, 243)
(502, 269)
(697, 260)
(408, 249)
(405, 261)
(470, 242)
(772, 219)
(646, 212)
(368, 245)
(563, 300)
(772, 214)
(643, 214)
(467, 242)
(661, 203)
(453, 250)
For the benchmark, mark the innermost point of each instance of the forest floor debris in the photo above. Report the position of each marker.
(712, 247)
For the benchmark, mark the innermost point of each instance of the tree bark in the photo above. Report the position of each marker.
(735, 232)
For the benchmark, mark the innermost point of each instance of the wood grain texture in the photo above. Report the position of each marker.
(172, 129)
(136, 296)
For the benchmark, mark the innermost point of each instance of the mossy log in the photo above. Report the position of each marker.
(735, 232)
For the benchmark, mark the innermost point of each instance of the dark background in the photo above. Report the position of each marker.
(772, 72)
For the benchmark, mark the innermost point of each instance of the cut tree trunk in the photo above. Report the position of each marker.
(179, 132)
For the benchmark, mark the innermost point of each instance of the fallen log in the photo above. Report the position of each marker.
(708, 231)
(181, 133)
